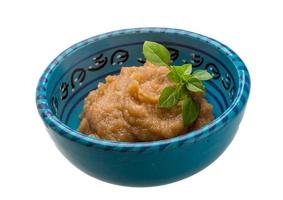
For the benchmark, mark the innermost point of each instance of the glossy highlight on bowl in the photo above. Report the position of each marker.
(68, 79)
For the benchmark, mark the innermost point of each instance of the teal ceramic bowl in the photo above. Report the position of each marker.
(69, 78)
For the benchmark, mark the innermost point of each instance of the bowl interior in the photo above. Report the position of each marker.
(86, 64)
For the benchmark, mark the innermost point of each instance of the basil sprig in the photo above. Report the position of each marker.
(185, 81)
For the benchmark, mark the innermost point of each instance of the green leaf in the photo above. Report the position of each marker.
(195, 85)
(183, 91)
(174, 76)
(188, 70)
(186, 77)
(202, 75)
(156, 53)
(177, 72)
(190, 110)
(169, 97)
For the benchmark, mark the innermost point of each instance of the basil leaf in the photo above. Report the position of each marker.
(179, 70)
(202, 75)
(195, 85)
(183, 69)
(174, 76)
(169, 97)
(190, 111)
(188, 70)
(186, 77)
(156, 53)
(183, 91)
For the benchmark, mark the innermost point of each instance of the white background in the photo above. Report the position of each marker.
(33, 33)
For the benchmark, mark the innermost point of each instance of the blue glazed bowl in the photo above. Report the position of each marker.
(69, 78)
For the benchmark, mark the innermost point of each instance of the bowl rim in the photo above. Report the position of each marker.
(54, 123)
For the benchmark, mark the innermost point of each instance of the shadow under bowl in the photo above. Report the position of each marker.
(75, 72)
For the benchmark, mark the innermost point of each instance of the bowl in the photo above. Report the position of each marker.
(78, 70)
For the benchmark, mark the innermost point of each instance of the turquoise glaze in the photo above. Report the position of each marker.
(78, 70)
